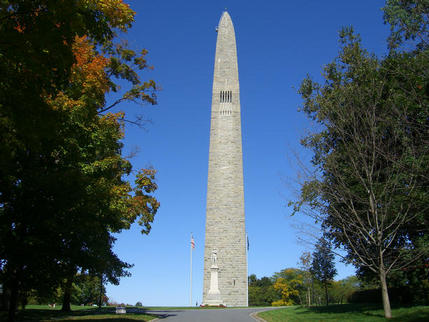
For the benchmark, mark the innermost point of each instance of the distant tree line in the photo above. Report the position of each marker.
(86, 290)
(311, 284)
(298, 286)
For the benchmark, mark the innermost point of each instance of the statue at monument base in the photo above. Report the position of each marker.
(213, 296)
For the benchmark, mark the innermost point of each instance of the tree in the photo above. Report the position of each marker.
(289, 283)
(261, 291)
(323, 266)
(371, 156)
(343, 289)
(87, 290)
(63, 190)
(408, 21)
(305, 266)
(101, 169)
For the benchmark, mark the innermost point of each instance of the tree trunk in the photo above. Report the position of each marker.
(13, 300)
(67, 295)
(312, 291)
(385, 294)
(24, 300)
(100, 299)
(326, 293)
(308, 296)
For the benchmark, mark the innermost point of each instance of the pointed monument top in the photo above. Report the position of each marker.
(225, 21)
(226, 69)
(225, 15)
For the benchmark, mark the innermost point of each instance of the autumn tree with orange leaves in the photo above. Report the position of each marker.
(62, 186)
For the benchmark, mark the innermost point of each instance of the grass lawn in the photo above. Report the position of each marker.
(43, 313)
(346, 312)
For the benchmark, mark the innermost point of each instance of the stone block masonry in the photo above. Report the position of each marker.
(225, 220)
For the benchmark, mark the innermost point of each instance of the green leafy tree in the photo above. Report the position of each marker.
(289, 282)
(101, 168)
(305, 262)
(62, 182)
(261, 291)
(85, 290)
(408, 21)
(323, 266)
(371, 156)
(88, 290)
(342, 290)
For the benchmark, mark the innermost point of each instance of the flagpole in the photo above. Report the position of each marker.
(190, 288)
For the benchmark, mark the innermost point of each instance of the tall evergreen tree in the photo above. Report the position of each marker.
(323, 266)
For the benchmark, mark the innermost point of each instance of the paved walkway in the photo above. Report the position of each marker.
(209, 315)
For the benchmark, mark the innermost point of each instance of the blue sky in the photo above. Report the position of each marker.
(279, 42)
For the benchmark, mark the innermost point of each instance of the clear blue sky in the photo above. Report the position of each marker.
(278, 43)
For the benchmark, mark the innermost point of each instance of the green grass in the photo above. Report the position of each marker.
(345, 312)
(58, 307)
(43, 313)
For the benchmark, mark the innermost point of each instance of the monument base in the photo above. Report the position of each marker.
(213, 297)
(214, 302)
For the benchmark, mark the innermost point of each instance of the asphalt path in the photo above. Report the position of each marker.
(209, 315)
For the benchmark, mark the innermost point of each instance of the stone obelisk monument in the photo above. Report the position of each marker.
(225, 278)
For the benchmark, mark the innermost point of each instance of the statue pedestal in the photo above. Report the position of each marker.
(213, 297)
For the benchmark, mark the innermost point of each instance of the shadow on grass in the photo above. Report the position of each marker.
(345, 308)
(99, 314)
(417, 315)
(403, 314)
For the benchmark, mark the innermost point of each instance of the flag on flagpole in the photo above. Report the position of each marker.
(192, 242)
